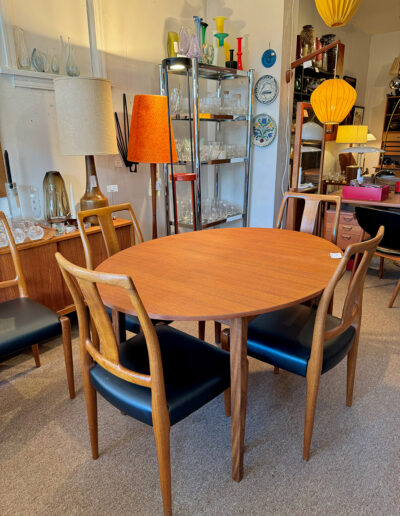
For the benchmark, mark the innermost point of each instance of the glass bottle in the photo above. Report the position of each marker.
(71, 67)
(308, 40)
(24, 60)
(55, 65)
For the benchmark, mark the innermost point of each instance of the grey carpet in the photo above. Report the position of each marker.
(46, 466)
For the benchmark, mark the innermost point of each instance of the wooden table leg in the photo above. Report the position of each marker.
(118, 322)
(239, 374)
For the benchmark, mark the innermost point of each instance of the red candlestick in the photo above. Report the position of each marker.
(239, 54)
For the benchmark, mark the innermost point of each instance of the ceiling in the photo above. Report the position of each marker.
(376, 17)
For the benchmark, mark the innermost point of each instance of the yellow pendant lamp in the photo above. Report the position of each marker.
(337, 13)
(333, 100)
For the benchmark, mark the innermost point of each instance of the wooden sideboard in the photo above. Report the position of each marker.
(42, 274)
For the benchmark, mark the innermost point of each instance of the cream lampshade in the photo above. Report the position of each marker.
(395, 68)
(86, 127)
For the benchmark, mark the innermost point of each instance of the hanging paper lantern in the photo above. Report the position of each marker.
(337, 13)
(333, 100)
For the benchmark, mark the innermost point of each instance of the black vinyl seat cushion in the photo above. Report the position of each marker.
(194, 373)
(283, 339)
(132, 322)
(24, 322)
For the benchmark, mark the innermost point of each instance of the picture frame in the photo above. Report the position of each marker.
(351, 80)
(358, 115)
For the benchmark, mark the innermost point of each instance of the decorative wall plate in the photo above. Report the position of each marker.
(266, 89)
(268, 58)
(264, 130)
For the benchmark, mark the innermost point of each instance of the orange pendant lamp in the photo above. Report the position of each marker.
(333, 100)
(337, 13)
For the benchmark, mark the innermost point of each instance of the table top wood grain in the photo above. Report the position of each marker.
(222, 274)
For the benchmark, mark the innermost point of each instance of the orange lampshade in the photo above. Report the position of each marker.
(337, 13)
(148, 137)
(333, 100)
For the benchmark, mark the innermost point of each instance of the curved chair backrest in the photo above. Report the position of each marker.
(104, 217)
(19, 280)
(312, 204)
(82, 284)
(370, 219)
(351, 313)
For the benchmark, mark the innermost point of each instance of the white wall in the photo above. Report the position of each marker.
(384, 48)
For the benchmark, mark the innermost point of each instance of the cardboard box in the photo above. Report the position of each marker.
(366, 193)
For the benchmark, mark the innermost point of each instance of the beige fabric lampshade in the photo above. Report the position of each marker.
(85, 116)
(395, 68)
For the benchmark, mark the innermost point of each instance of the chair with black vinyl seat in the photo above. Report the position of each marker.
(159, 376)
(372, 218)
(308, 341)
(26, 323)
(104, 218)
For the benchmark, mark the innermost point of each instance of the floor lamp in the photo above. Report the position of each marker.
(149, 140)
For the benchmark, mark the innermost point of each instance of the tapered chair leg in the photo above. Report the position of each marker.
(202, 330)
(67, 347)
(227, 394)
(161, 435)
(91, 401)
(217, 332)
(394, 295)
(381, 265)
(351, 370)
(311, 402)
(36, 356)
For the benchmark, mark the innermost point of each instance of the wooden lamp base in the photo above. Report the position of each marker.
(93, 197)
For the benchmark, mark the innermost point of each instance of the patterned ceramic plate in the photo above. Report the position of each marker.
(266, 89)
(268, 58)
(264, 130)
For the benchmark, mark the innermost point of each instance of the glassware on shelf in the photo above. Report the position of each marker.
(208, 54)
(219, 21)
(172, 44)
(55, 63)
(194, 48)
(308, 40)
(40, 61)
(204, 26)
(175, 101)
(23, 57)
(30, 202)
(197, 23)
(239, 54)
(14, 205)
(184, 42)
(221, 50)
(71, 67)
(55, 198)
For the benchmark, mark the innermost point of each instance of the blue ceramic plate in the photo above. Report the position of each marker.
(264, 130)
(266, 89)
(268, 58)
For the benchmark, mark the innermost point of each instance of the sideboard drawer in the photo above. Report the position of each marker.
(345, 239)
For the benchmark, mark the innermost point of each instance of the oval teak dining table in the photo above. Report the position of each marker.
(225, 274)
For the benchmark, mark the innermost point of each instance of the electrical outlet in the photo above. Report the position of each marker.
(118, 163)
(112, 188)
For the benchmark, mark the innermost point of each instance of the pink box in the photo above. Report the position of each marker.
(366, 193)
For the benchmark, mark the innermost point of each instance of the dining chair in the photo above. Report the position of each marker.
(308, 341)
(104, 217)
(158, 377)
(312, 207)
(25, 322)
(370, 219)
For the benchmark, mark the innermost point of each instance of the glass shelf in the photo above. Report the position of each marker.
(216, 73)
(208, 117)
(236, 216)
(216, 161)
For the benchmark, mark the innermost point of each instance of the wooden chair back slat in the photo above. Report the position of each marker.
(104, 217)
(19, 279)
(351, 312)
(312, 207)
(83, 287)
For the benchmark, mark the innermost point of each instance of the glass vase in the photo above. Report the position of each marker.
(71, 67)
(23, 57)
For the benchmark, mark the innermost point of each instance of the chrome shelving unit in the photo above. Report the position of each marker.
(193, 71)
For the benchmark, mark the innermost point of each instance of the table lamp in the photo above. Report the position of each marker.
(149, 140)
(86, 127)
(354, 134)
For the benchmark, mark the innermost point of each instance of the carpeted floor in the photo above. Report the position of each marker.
(46, 466)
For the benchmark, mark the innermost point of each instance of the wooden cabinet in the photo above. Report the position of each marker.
(44, 280)
(349, 232)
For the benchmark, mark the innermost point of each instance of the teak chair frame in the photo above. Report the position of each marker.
(351, 316)
(20, 282)
(312, 206)
(103, 350)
